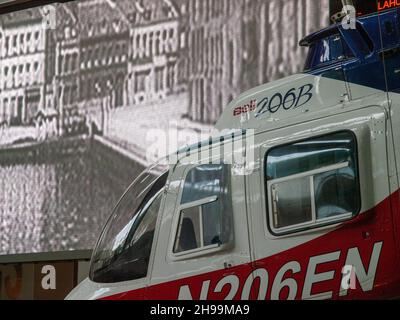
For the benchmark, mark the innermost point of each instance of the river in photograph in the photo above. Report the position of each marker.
(56, 201)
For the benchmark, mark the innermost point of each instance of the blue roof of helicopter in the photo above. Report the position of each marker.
(369, 22)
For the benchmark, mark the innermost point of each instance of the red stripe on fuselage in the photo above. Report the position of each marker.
(363, 232)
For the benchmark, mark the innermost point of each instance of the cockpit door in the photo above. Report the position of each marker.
(389, 22)
(319, 200)
(203, 245)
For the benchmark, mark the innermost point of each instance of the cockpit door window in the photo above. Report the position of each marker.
(326, 51)
(205, 211)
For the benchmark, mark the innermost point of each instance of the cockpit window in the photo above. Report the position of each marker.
(327, 50)
(312, 183)
(123, 251)
(205, 211)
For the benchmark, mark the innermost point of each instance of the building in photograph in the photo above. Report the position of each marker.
(154, 48)
(23, 66)
(237, 44)
(103, 57)
(66, 64)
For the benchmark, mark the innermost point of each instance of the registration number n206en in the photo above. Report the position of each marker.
(234, 288)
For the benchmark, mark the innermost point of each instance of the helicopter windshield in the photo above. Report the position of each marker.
(123, 250)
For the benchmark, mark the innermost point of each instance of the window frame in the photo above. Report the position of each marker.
(194, 204)
(201, 251)
(309, 225)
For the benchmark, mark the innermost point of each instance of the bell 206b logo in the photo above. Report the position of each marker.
(245, 109)
(292, 99)
(287, 282)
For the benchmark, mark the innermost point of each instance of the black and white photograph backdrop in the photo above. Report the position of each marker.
(85, 84)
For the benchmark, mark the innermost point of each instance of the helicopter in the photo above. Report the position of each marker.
(311, 213)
